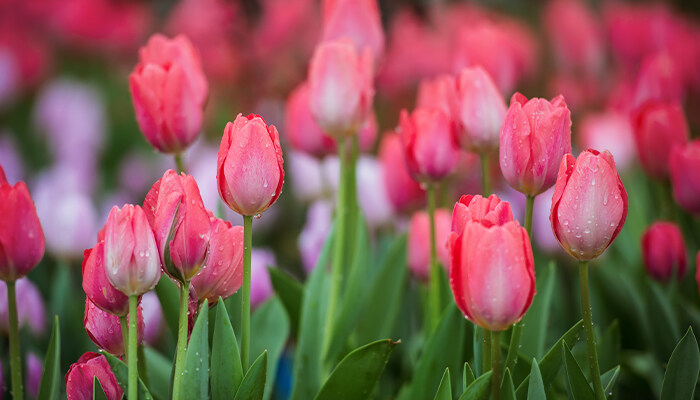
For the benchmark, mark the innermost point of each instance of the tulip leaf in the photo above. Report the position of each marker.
(121, 372)
(478, 349)
(195, 376)
(157, 371)
(480, 389)
(271, 326)
(290, 293)
(467, 376)
(682, 370)
(253, 384)
(444, 391)
(609, 379)
(579, 389)
(358, 373)
(665, 328)
(98, 393)
(507, 386)
(535, 389)
(51, 381)
(609, 347)
(169, 297)
(534, 331)
(226, 369)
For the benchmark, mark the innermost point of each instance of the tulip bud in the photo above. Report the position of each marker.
(657, 128)
(663, 250)
(480, 110)
(439, 92)
(429, 146)
(536, 134)
(659, 79)
(684, 165)
(260, 284)
(357, 20)
(96, 285)
(575, 35)
(418, 257)
(589, 205)
(249, 168)
(182, 228)
(487, 211)
(222, 273)
(80, 377)
(404, 193)
(341, 87)
(105, 329)
(168, 89)
(21, 236)
(131, 254)
(492, 273)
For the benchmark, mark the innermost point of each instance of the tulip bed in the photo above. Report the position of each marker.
(385, 224)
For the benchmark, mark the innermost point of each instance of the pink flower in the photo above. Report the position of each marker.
(301, 128)
(319, 218)
(439, 92)
(80, 376)
(97, 287)
(487, 211)
(405, 194)
(609, 130)
(260, 284)
(357, 20)
(657, 128)
(685, 164)
(658, 80)
(105, 329)
(663, 250)
(418, 256)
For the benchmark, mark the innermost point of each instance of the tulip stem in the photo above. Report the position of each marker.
(179, 164)
(132, 347)
(486, 362)
(529, 205)
(588, 328)
(485, 174)
(434, 296)
(125, 332)
(181, 337)
(245, 301)
(15, 358)
(496, 367)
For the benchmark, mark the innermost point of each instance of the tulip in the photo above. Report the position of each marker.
(589, 205)
(169, 89)
(575, 35)
(249, 166)
(130, 251)
(182, 228)
(301, 128)
(657, 128)
(31, 311)
(222, 273)
(658, 80)
(357, 20)
(341, 87)
(429, 146)
(684, 165)
(261, 286)
(536, 134)
(418, 257)
(480, 110)
(34, 370)
(80, 377)
(405, 194)
(663, 250)
(487, 211)
(105, 329)
(97, 286)
(439, 92)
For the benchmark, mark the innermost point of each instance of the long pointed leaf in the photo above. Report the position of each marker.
(253, 384)
(98, 393)
(226, 368)
(444, 391)
(121, 372)
(535, 389)
(682, 370)
(51, 381)
(480, 389)
(195, 377)
(578, 385)
(290, 292)
(271, 326)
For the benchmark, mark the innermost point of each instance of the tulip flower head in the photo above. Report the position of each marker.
(405, 194)
(685, 176)
(439, 92)
(105, 330)
(663, 250)
(80, 377)
(357, 20)
(97, 286)
(418, 257)
(657, 128)
(487, 211)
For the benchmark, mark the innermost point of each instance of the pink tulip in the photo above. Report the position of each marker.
(341, 88)
(492, 273)
(105, 329)
(685, 164)
(21, 236)
(609, 130)
(96, 285)
(249, 168)
(589, 205)
(663, 250)
(657, 128)
(404, 193)
(169, 91)
(439, 92)
(480, 110)
(174, 206)
(80, 376)
(536, 134)
(487, 211)
(301, 128)
(31, 311)
(418, 257)
(357, 20)
(429, 144)
(131, 254)
(260, 284)
(222, 273)
(658, 80)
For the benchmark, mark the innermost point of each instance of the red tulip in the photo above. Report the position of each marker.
(222, 273)
(429, 146)
(131, 254)
(169, 90)
(80, 376)
(105, 330)
(663, 250)
(658, 80)
(589, 205)
(439, 92)
(180, 222)
(249, 168)
(357, 20)
(657, 128)
(21, 236)
(536, 134)
(418, 256)
(487, 211)
(96, 285)
(404, 193)
(685, 176)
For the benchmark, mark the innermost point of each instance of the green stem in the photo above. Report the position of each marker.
(496, 367)
(181, 337)
(179, 163)
(487, 351)
(485, 174)
(125, 332)
(434, 296)
(529, 205)
(588, 328)
(15, 358)
(245, 301)
(132, 347)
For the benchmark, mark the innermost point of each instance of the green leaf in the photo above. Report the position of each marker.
(480, 389)
(665, 325)
(358, 373)
(682, 370)
(290, 292)
(534, 331)
(169, 297)
(609, 347)
(478, 349)
(195, 376)
(271, 326)
(51, 381)
(579, 389)
(121, 372)
(98, 393)
(253, 384)
(158, 369)
(609, 379)
(444, 391)
(535, 389)
(226, 368)
(467, 376)
(507, 387)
